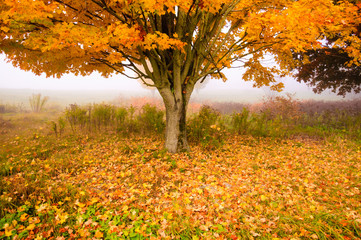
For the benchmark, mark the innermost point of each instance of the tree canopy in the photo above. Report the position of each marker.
(329, 69)
(177, 43)
(334, 66)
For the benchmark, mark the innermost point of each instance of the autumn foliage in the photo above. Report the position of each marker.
(172, 45)
(107, 187)
(256, 174)
(272, 174)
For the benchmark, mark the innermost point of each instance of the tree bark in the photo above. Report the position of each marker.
(176, 113)
(176, 135)
(175, 90)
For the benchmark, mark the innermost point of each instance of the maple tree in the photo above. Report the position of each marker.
(176, 43)
(332, 67)
(327, 69)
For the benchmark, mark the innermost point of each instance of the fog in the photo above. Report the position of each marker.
(17, 85)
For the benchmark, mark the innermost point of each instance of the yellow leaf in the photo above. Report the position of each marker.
(79, 204)
(24, 217)
(94, 200)
(125, 208)
(21, 209)
(14, 223)
(5, 29)
(8, 233)
(98, 234)
(6, 226)
(38, 237)
(263, 198)
(31, 227)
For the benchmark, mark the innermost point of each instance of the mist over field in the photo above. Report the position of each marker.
(63, 98)
(16, 86)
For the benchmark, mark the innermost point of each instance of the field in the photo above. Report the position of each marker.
(279, 170)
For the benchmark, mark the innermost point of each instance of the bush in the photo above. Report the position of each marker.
(11, 108)
(120, 115)
(277, 117)
(58, 127)
(102, 115)
(205, 128)
(283, 107)
(241, 122)
(76, 116)
(131, 123)
(150, 119)
(37, 102)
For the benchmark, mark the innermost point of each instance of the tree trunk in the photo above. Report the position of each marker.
(175, 133)
(176, 91)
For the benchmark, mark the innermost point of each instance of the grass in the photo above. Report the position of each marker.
(105, 185)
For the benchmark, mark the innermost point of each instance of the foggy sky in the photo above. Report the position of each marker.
(235, 89)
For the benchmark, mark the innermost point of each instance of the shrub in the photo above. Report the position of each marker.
(11, 108)
(61, 123)
(205, 128)
(54, 127)
(284, 107)
(131, 121)
(240, 121)
(76, 116)
(102, 115)
(58, 127)
(150, 119)
(259, 124)
(120, 115)
(37, 102)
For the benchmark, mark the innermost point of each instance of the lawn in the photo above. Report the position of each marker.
(106, 185)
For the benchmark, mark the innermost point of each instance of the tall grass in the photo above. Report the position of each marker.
(12, 108)
(285, 117)
(37, 102)
(206, 128)
(276, 117)
(105, 117)
(77, 117)
(151, 118)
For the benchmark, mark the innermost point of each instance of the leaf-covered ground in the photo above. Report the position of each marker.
(108, 187)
